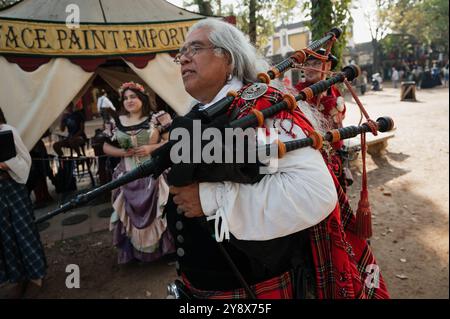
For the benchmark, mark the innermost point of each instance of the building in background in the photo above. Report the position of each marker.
(291, 37)
(287, 39)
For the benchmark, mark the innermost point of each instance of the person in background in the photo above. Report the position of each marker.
(435, 75)
(394, 77)
(283, 233)
(445, 72)
(363, 82)
(106, 107)
(138, 225)
(377, 81)
(22, 259)
(73, 120)
(40, 170)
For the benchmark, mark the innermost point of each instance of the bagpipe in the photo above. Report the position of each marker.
(186, 173)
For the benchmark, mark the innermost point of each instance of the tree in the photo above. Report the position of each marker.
(326, 15)
(398, 47)
(252, 21)
(376, 18)
(258, 18)
(204, 6)
(321, 14)
(426, 20)
(342, 18)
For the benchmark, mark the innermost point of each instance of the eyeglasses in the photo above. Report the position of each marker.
(189, 51)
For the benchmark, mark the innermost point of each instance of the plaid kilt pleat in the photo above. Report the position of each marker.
(21, 252)
(275, 288)
(344, 263)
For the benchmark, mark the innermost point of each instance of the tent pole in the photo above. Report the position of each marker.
(103, 11)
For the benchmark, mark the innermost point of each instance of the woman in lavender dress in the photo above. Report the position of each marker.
(139, 229)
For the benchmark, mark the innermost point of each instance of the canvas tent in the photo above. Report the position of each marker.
(46, 59)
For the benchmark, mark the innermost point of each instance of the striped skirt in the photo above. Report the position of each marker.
(21, 252)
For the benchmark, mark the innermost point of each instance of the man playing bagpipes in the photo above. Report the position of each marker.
(242, 230)
(290, 234)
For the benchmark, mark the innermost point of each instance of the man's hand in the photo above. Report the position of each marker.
(3, 166)
(188, 200)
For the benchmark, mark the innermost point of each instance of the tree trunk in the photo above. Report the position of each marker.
(219, 7)
(204, 6)
(376, 57)
(252, 21)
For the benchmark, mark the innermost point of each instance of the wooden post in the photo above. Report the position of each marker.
(408, 91)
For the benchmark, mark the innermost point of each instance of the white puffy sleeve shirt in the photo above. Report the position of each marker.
(300, 194)
(19, 166)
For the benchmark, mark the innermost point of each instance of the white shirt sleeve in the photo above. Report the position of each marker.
(99, 103)
(104, 103)
(108, 104)
(300, 194)
(19, 166)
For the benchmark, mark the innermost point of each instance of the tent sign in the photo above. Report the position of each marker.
(55, 39)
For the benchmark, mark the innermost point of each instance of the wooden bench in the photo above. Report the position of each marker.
(375, 144)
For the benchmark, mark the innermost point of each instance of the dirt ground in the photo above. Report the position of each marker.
(409, 198)
(409, 193)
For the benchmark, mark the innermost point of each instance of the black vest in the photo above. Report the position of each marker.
(201, 261)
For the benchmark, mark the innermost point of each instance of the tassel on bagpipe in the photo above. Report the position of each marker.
(161, 157)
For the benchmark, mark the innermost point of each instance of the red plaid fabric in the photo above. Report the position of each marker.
(327, 104)
(270, 97)
(275, 288)
(344, 263)
(328, 101)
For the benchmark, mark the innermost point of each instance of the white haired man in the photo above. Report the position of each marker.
(284, 233)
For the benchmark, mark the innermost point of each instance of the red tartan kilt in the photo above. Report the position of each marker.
(275, 288)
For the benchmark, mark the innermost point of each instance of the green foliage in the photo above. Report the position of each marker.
(326, 15)
(321, 15)
(267, 14)
(125, 144)
(397, 46)
(426, 20)
(264, 26)
(341, 17)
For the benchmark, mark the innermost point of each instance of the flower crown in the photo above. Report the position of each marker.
(131, 85)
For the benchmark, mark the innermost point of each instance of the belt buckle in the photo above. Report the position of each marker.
(178, 290)
(172, 291)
